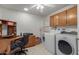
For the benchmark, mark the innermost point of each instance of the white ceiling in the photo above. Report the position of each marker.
(47, 10)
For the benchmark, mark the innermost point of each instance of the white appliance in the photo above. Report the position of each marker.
(49, 42)
(66, 44)
(43, 30)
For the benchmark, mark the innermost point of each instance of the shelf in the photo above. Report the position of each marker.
(11, 26)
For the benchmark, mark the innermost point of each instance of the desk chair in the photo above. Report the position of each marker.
(18, 47)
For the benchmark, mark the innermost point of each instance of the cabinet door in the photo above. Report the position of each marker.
(0, 29)
(72, 16)
(51, 21)
(56, 20)
(62, 18)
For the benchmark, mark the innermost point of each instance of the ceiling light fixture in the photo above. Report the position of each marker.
(26, 9)
(39, 6)
(42, 7)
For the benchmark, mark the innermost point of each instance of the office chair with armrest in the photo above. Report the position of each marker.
(24, 40)
(18, 47)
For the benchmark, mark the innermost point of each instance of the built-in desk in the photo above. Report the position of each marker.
(15, 38)
(5, 44)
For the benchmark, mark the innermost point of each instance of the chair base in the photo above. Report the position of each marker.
(20, 52)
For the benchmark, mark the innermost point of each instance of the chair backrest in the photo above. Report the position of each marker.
(25, 37)
(24, 40)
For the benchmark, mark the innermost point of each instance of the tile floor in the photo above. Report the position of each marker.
(38, 50)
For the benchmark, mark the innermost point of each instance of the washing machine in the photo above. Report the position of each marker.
(66, 44)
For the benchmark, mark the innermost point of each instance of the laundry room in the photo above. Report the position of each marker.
(39, 29)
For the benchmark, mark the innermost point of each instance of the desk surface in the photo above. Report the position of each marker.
(15, 38)
(5, 44)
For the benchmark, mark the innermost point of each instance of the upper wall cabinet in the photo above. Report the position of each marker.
(51, 21)
(65, 18)
(62, 18)
(72, 16)
(56, 20)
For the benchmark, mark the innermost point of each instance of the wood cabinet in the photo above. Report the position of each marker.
(0, 28)
(62, 18)
(32, 41)
(65, 18)
(56, 20)
(10, 27)
(51, 21)
(72, 16)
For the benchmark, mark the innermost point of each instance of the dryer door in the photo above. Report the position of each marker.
(64, 47)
